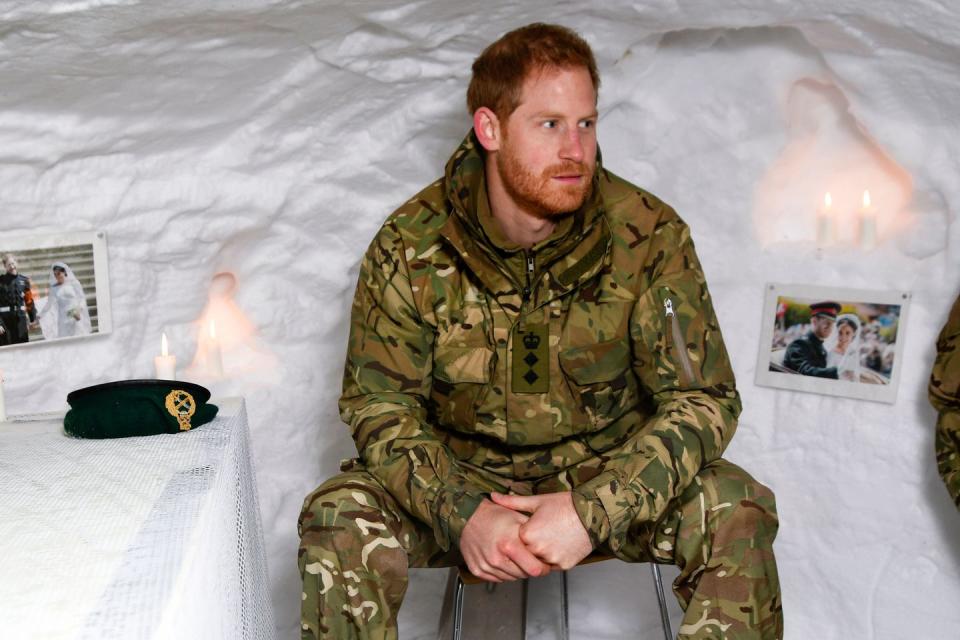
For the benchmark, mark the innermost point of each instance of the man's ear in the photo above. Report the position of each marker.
(486, 125)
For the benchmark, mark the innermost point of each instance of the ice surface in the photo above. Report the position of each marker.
(270, 139)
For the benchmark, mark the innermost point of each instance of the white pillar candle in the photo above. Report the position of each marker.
(165, 364)
(3, 403)
(826, 234)
(868, 224)
(214, 358)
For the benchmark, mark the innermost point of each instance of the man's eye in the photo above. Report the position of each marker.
(587, 124)
(549, 124)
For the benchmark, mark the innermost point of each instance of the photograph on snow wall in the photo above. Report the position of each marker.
(53, 287)
(842, 342)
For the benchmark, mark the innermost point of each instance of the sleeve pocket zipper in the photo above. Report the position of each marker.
(677, 344)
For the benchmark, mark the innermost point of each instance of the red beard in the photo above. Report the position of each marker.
(541, 195)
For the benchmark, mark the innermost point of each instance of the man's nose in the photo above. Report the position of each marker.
(572, 148)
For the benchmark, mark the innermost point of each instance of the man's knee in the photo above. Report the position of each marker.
(738, 503)
(347, 502)
(348, 534)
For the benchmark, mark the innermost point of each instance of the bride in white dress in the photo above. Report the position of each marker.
(843, 347)
(67, 303)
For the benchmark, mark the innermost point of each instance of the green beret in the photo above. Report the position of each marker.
(137, 408)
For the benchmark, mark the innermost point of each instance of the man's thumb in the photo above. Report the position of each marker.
(527, 504)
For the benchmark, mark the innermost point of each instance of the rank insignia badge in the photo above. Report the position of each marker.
(531, 359)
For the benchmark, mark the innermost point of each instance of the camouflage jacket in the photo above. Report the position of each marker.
(627, 347)
(944, 392)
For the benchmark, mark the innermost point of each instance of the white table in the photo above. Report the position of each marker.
(151, 537)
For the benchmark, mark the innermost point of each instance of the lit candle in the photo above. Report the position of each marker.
(165, 364)
(3, 403)
(214, 359)
(825, 224)
(868, 224)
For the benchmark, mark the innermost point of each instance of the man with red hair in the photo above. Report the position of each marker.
(535, 371)
(806, 355)
(17, 309)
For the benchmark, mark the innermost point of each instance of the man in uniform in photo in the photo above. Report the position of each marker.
(806, 355)
(535, 371)
(17, 310)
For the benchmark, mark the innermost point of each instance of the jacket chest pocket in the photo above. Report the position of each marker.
(599, 374)
(461, 377)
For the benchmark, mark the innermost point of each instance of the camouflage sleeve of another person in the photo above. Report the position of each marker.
(944, 393)
(387, 379)
(680, 358)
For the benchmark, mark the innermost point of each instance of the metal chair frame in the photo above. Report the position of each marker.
(464, 577)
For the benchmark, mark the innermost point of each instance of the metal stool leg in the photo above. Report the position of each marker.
(662, 601)
(564, 609)
(458, 610)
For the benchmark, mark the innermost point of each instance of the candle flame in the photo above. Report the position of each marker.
(866, 198)
(163, 345)
(827, 200)
(213, 329)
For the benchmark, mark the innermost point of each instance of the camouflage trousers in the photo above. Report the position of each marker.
(357, 544)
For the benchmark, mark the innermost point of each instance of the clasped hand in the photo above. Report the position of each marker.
(515, 537)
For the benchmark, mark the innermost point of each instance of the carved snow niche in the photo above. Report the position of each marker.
(829, 151)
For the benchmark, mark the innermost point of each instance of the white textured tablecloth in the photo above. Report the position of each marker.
(154, 537)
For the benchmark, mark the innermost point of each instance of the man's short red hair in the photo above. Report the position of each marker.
(499, 72)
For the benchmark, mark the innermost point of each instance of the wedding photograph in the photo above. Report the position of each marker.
(53, 288)
(833, 341)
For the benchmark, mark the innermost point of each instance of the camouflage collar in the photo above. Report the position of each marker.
(571, 255)
(491, 228)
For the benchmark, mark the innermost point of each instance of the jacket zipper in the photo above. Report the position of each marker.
(530, 267)
(526, 288)
(678, 344)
